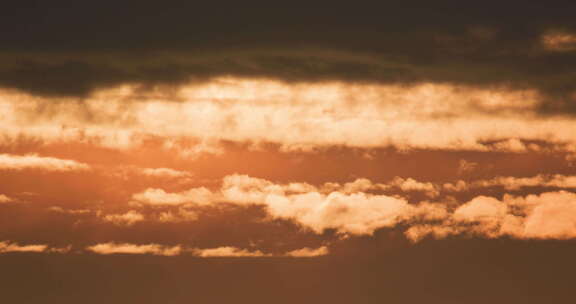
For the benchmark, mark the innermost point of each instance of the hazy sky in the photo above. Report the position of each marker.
(286, 152)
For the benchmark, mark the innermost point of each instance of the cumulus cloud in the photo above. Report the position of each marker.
(481, 208)
(510, 145)
(399, 183)
(551, 215)
(243, 189)
(347, 211)
(22, 162)
(410, 184)
(418, 232)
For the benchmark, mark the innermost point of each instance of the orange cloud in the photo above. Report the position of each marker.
(165, 172)
(12, 247)
(126, 248)
(227, 251)
(5, 199)
(160, 197)
(126, 219)
(410, 184)
(218, 252)
(317, 115)
(182, 215)
(308, 252)
(516, 183)
(313, 208)
(22, 162)
(550, 215)
(355, 212)
(69, 211)
(559, 40)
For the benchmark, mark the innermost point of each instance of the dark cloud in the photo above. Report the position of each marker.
(71, 49)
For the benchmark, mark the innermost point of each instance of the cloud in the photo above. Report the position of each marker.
(306, 205)
(181, 215)
(465, 167)
(515, 183)
(418, 232)
(246, 190)
(23, 162)
(69, 211)
(13, 247)
(126, 248)
(351, 211)
(227, 251)
(482, 50)
(559, 40)
(261, 110)
(308, 252)
(5, 199)
(399, 183)
(165, 172)
(125, 219)
(354, 213)
(550, 215)
(159, 197)
(410, 184)
(481, 208)
(511, 145)
(310, 207)
(217, 252)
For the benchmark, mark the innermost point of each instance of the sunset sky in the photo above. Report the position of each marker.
(288, 152)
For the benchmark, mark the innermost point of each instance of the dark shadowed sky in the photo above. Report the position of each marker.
(73, 48)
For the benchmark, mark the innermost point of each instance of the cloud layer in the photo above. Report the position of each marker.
(294, 116)
(352, 210)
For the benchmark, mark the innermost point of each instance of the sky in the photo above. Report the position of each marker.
(287, 152)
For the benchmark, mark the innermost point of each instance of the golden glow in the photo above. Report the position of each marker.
(291, 115)
(559, 41)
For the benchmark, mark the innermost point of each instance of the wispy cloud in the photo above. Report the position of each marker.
(32, 161)
(126, 248)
